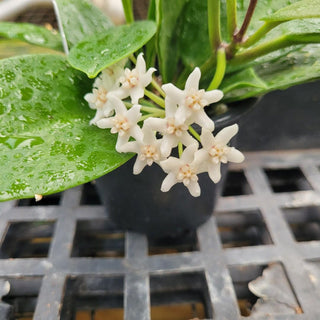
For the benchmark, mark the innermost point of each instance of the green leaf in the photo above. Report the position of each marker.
(167, 41)
(32, 34)
(194, 45)
(98, 52)
(10, 48)
(81, 19)
(299, 10)
(243, 79)
(294, 68)
(46, 142)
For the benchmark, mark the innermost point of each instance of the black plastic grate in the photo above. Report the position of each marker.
(63, 259)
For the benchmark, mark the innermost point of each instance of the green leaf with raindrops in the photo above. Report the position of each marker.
(99, 52)
(32, 34)
(46, 142)
(81, 19)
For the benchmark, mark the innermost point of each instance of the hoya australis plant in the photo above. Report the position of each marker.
(84, 100)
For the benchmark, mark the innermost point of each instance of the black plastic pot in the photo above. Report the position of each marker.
(135, 202)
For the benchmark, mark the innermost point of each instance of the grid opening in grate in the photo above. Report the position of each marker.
(187, 243)
(179, 297)
(304, 222)
(236, 184)
(96, 238)
(93, 297)
(89, 195)
(27, 239)
(23, 296)
(49, 200)
(242, 229)
(263, 290)
(287, 180)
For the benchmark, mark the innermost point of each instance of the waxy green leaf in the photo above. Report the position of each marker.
(294, 68)
(98, 52)
(46, 142)
(171, 17)
(300, 10)
(32, 34)
(81, 19)
(10, 48)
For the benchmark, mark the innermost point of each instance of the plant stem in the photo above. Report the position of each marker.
(146, 116)
(194, 133)
(152, 110)
(214, 23)
(154, 98)
(128, 10)
(220, 69)
(155, 84)
(275, 44)
(260, 33)
(231, 17)
(180, 149)
(240, 34)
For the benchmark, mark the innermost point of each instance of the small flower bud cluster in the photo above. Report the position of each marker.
(182, 109)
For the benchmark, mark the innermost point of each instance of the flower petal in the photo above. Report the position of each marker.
(213, 96)
(171, 164)
(141, 64)
(156, 124)
(168, 142)
(138, 166)
(194, 189)
(193, 79)
(136, 93)
(117, 104)
(105, 123)
(235, 155)
(214, 172)
(168, 182)
(134, 114)
(225, 135)
(188, 153)
(207, 139)
(201, 118)
(173, 93)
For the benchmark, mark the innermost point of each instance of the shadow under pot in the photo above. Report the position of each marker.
(136, 203)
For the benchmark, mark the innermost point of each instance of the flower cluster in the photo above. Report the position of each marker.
(171, 119)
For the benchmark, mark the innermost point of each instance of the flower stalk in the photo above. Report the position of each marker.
(231, 17)
(128, 10)
(220, 69)
(214, 23)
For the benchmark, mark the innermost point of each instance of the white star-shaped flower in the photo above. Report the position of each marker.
(191, 100)
(217, 150)
(183, 170)
(172, 130)
(105, 83)
(147, 149)
(134, 81)
(124, 122)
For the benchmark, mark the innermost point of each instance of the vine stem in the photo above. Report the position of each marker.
(272, 45)
(260, 33)
(237, 37)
